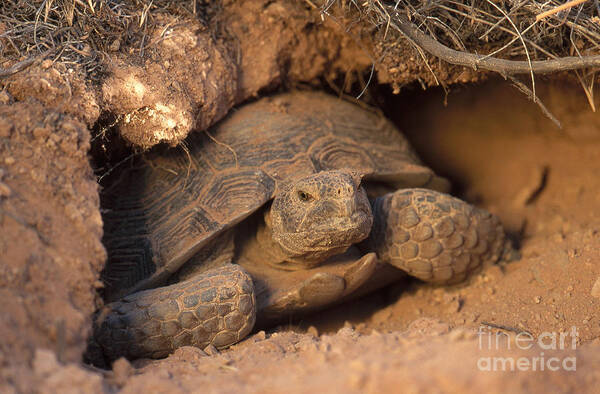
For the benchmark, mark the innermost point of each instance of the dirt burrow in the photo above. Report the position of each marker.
(189, 77)
(504, 155)
(50, 226)
(427, 337)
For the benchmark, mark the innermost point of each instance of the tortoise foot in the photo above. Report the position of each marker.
(434, 236)
(216, 307)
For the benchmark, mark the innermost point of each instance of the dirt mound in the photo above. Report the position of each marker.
(50, 249)
(426, 357)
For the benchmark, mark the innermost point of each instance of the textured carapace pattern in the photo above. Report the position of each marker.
(434, 236)
(167, 205)
(217, 307)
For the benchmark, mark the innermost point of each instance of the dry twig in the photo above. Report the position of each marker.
(502, 66)
(20, 66)
(566, 6)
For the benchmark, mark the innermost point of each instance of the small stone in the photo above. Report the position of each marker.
(260, 336)
(5, 98)
(537, 299)
(346, 331)
(45, 362)
(9, 160)
(596, 289)
(5, 191)
(122, 370)
(312, 330)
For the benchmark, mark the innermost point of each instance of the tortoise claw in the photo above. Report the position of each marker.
(325, 287)
(321, 289)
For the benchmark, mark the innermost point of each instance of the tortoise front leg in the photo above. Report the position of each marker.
(434, 236)
(216, 307)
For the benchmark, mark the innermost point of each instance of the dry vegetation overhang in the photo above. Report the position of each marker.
(434, 42)
(84, 32)
(548, 36)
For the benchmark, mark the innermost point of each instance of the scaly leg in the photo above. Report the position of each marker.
(216, 307)
(434, 236)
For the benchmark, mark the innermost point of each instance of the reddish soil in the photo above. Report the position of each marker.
(498, 149)
(50, 226)
(495, 146)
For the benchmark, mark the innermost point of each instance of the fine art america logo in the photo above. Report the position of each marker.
(550, 341)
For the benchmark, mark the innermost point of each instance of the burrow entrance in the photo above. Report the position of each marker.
(501, 153)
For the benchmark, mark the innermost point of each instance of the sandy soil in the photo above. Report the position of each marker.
(496, 147)
(50, 226)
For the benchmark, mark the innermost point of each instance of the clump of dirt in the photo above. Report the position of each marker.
(188, 81)
(192, 75)
(56, 86)
(50, 249)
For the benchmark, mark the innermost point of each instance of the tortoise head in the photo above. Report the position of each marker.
(319, 216)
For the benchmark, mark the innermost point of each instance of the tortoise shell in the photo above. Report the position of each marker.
(171, 203)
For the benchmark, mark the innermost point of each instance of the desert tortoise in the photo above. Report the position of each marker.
(266, 213)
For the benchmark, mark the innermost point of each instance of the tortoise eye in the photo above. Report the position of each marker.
(304, 196)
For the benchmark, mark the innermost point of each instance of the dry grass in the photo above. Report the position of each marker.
(510, 37)
(82, 31)
(479, 32)
(500, 28)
